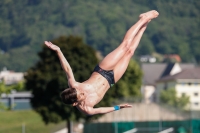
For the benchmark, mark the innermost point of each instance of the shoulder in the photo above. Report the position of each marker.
(73, 84)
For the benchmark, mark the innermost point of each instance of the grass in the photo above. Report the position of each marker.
(11, 122)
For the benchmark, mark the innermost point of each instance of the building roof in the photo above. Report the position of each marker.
(152, 72)
(193, 73)
(168, 69)
(155, 71)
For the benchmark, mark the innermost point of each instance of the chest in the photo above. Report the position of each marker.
(98, 84)
(95, 88)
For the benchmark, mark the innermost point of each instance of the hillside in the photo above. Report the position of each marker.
(25, 24)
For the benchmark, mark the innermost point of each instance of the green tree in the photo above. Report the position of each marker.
(3, 89)
(7, 89)
(169, 97)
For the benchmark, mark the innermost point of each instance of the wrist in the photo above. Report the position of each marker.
(58, 50)
(117, 107)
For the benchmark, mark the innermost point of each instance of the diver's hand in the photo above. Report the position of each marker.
(126, 105)
(52, 46)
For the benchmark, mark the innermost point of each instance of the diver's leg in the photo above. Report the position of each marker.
(122, 65)
(112, 59)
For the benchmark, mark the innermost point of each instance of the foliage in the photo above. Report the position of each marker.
(169, 97)
(3, 88)
(7, 89)
(26, 24)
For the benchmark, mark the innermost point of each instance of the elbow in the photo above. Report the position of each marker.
(89, 113)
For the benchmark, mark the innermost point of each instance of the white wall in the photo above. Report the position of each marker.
(190, 88)
(10, 77)
(186, 87)
(176, 69)
(148, 93)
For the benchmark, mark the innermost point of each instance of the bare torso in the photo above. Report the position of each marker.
(94, 88)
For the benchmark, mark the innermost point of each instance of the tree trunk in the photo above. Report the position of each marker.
(69, 126)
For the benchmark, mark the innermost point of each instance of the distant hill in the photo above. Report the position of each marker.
(26, 24)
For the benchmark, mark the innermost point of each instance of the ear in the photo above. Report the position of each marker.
(74, 104)
(82, 94)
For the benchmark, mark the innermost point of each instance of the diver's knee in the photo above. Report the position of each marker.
(130, 52)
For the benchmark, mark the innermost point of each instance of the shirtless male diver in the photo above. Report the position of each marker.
(87, 94)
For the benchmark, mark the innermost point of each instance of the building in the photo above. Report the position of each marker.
(147, 58)
(11, 77)
(17, 100)
(153, 72)
(185, 82)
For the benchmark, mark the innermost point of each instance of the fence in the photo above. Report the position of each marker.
(186, 126)
(147, 118)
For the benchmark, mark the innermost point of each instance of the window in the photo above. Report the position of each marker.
(196, 94)
(165, 86)
(196, 103)
(189, 83)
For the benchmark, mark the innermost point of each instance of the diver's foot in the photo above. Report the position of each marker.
(149, 15)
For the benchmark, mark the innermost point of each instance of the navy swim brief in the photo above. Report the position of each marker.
(109, 75)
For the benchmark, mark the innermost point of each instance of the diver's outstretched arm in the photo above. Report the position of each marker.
(64, 63)
(103, 110)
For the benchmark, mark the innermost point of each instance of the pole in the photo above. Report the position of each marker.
(116, 126)
(23, 128)
(160, 121)
(69, 126)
